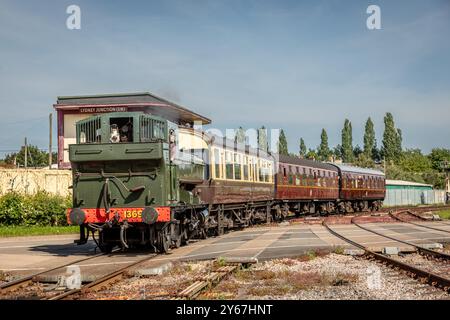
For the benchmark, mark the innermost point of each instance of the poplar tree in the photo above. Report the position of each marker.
(392, 140)
(240, 135)
(324, 151)
(282, 144)
(303, 150)
(347, 142)
(369, 139)
(262, 139)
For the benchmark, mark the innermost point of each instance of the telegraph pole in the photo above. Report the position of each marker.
(26, 153)
(50, 141)
(445, 165)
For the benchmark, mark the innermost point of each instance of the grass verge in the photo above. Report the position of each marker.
(444, 214)
(17, 231)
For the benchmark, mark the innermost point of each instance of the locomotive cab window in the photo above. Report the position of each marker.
(121, 130)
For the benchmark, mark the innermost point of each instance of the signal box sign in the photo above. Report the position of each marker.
(103, 109)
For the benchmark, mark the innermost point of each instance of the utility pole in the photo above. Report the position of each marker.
(50, 141)
(26, 153)
(445, 165)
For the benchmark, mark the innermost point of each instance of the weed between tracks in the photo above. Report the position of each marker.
(279, 277)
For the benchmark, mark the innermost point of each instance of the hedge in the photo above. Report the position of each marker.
(42, 209)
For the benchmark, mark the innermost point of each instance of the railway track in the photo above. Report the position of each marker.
(397, 217)
(417, 209)
(421, 274)
(17, 287)
(23, 281)
(318, 219)
(99, 283)
(421, 250)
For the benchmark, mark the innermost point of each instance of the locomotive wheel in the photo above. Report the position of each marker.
(163, 241)
(176, 236)
(177, 243)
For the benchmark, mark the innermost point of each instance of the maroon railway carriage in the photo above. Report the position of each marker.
(306, 186)
(360, 188)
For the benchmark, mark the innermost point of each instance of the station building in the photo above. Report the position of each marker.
(404, 193)
(71, 109)
(406, 185)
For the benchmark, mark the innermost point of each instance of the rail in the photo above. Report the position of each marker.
(416, 273)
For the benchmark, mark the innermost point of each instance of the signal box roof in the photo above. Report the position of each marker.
(149, 102)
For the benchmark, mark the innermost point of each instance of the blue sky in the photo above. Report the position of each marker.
(297, 65)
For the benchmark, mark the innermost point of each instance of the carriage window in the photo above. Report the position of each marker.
(237, 166)
(266, 171)
(246, 168)
(291, 178)
(217, 163)
(229, 166)
(270, 172)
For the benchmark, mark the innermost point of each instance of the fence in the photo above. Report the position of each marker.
(398, 197)
(29, 181)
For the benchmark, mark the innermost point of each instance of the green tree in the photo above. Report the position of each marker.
(240, 135)
(337, 152)
(413, 160)
(417, 167)
(323, 151)
(392, 140)
(36, 157)
(347, 142)
(362, 160)
(438, 156)
(282, 144)
(302, 148)
(263, 144)
(357, 151)
(311, 154)
(376, 154)
(369, 139)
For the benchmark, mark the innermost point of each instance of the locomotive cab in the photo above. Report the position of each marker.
(123, 179)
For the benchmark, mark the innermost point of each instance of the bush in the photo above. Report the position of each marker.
(41, 209)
